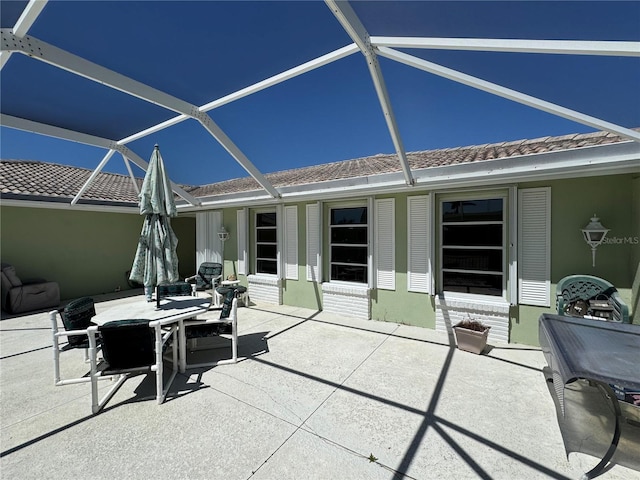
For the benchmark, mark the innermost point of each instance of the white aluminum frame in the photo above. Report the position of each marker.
(369, 46)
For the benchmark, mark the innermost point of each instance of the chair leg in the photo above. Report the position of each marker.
(159, 364)
(161, 389)
(182, 340)
(234, 340)
(56, 347)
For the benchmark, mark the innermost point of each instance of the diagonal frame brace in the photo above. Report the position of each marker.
(353, 26)
(216, 132)
(508, 93)
(86, 139)
(57, 57)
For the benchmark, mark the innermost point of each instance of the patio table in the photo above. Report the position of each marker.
(600, 352)
(172, 312)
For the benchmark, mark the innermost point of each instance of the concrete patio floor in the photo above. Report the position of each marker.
(317, 396)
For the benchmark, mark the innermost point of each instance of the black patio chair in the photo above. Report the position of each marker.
(76, 318)
(177, 289)
(130, 347)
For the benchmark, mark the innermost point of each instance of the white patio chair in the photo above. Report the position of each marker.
(205, 328)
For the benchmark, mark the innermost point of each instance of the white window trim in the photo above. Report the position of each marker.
(476, 195)
(352, 204)
(255, 242)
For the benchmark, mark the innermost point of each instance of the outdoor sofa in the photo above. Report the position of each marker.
(33, 294)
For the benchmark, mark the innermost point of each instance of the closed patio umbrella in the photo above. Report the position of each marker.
(156, 260)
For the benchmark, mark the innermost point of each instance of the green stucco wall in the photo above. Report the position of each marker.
(573, 203)
(615, 199)
(87, 253)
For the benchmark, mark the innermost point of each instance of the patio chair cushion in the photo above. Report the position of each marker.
(127, 344)
(177, 289)
(203, 331)
(208, 276)
(77, 315)
(174, 289)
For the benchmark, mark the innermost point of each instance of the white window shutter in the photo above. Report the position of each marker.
(291, 242)
(385, 245)
(534, 246)
(419, 244)
(313, 242)
(243, 261)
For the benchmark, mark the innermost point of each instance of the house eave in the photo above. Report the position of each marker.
(610, 159)
(30, 201)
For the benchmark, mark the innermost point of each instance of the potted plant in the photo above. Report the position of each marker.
(471, 335)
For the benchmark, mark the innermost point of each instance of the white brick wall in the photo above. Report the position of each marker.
(351, 301)
(265, 289)
(493, 313)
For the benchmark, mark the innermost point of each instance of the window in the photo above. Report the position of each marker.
(349, 235)
(266, 243)
(472, 246)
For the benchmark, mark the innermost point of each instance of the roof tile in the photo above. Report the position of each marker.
(50, 181)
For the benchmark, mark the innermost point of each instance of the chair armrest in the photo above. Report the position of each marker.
(192, 277)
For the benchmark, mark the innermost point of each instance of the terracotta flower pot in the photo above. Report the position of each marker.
(471, 339)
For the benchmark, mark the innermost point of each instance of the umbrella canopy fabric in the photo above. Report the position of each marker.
(156, 260)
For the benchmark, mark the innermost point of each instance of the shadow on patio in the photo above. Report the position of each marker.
(317, 396)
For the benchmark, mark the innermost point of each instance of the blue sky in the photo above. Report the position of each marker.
(200, 51)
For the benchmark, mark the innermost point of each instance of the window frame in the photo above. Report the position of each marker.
(367, 225)
(504, 248)
(256, 228)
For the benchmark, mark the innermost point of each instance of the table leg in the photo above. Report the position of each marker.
(182, 341)
(159, 364)
(598, 469)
